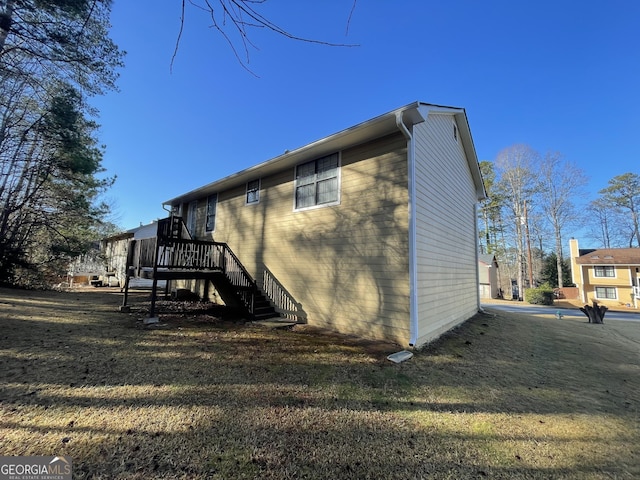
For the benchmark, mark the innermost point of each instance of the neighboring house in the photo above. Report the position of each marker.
(114, 250)
(372, 230)
(610, 275)
(488, 276)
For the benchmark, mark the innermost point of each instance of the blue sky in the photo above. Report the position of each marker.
(556, 75)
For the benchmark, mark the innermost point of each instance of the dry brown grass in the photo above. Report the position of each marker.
(504, 396)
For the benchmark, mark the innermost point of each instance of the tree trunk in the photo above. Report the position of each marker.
(595, 313)
(636, 226)
(559, 257)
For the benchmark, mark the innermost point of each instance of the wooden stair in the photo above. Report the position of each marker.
(232, 296)
(262, 308)
(174, 255)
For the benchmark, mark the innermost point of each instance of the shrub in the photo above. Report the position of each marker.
(543, 295)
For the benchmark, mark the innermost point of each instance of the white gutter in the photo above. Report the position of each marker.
(413, 259)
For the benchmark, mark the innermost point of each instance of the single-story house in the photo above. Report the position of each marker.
(372, 230)
(488, 276)
(611, 276)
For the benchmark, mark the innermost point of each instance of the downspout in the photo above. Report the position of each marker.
(475, 230)
(413, 261)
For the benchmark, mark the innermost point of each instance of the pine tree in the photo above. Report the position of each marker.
(53, 55)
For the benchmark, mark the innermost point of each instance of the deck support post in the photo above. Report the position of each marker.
(154, 289)
(124, 307)
(126, 291)
(205, 296)
(129, 272)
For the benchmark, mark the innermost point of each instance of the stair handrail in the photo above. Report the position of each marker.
(248, 284)
(285, 304)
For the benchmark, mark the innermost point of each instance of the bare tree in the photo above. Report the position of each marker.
(49, 160)
(517, 184)
(539, 233)
(560, 181)
(234, 19)
(606, 224)
(6, 20)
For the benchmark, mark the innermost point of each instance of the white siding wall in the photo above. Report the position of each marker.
(445, 229)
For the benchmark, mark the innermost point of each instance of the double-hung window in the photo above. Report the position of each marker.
(318, 182)
(606, 292)
(604, 271)
(253, 192)
(212, 205)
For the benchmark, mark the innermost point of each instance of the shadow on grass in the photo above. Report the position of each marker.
(248, 402)
(538, 373)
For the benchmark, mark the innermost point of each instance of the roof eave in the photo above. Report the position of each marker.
(374, 128)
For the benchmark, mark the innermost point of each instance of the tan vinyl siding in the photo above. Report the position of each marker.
(445, 229)
(346, 264)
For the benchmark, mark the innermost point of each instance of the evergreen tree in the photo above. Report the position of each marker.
(53, 55)
(549, 273)
(489, 214)
(63, 39)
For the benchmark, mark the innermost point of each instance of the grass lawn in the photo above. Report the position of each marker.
(504, 396)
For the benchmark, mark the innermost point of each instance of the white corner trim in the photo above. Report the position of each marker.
(413, 255)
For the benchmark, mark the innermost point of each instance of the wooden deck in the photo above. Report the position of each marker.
(174, 255)
(178, 274)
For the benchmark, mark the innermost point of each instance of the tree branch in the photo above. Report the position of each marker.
(242, 15)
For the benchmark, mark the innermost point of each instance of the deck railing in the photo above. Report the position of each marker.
(174, 250)
(187, 254)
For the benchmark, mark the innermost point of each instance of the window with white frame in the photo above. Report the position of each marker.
(317, 182)
(212, 206)
(253, 192)
(604, 271)
(606, 292)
